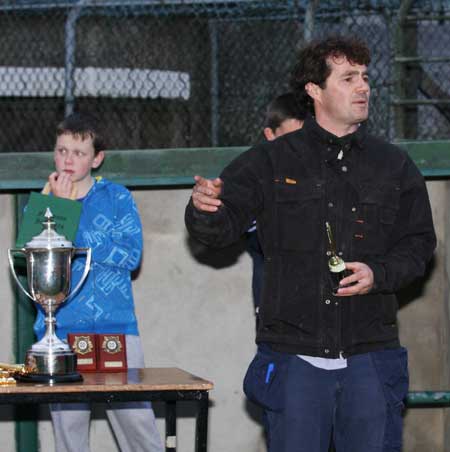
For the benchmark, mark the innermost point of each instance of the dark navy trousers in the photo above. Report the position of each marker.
(359, 407)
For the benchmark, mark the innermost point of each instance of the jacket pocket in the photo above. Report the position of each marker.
(379, 206)
(374, 320)
(265, 379)
(298, 211)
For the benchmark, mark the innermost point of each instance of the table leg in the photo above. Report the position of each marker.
(171, 426)
(201, 434)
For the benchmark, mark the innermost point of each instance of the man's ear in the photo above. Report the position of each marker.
(268, 133)
(98, 159)
(313, 90)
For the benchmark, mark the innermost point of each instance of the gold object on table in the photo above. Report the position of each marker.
(8, 371)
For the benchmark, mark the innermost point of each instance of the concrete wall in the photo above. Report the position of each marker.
(195, 312)
(424, 330)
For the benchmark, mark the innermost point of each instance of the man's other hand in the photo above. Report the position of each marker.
(362, 276)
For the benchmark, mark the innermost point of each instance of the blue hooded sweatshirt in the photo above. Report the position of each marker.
(111, 227)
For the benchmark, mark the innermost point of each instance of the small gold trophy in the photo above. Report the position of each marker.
(336, 264)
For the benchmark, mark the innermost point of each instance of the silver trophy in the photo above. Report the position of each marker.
(49, 257)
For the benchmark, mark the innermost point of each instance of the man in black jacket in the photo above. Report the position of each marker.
(329, 360)
(283, 115)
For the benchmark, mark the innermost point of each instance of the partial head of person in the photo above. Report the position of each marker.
(331, 77)
(283, 115)
(79, 146)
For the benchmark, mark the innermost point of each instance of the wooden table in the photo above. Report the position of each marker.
(170, 385)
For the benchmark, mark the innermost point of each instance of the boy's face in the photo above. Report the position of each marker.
(76, 156)
(287, 126)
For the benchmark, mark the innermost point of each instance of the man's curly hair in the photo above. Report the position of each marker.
(312, 65)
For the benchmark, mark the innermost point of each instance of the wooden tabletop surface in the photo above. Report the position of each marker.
(149, 379)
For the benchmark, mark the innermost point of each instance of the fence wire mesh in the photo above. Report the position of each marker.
(180, 73)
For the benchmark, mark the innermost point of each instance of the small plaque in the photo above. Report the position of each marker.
(84, 345)
(111, 352)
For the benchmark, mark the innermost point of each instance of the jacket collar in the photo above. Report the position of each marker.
(318, 134)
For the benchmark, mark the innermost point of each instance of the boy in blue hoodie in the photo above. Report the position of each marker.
(111, 227)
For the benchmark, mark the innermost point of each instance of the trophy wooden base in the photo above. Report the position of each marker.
(55, 366)
(50, 366)
(43, 378)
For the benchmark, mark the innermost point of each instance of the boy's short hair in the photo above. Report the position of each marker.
(312, 62)
(281, 108)
(84, 126)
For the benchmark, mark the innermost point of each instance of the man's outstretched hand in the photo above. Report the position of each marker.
(206, 192)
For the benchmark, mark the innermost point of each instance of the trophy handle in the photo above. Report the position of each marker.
(11, 266)
(87, 267)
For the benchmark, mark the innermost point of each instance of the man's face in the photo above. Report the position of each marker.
(75, 156)
(344, 101)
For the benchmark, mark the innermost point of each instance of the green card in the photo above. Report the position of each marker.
(66, 215)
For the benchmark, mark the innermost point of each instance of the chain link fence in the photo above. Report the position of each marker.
(180, 73)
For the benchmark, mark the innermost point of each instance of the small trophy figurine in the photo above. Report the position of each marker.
(335, 263)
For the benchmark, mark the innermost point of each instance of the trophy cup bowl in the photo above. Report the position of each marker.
(49, 259)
